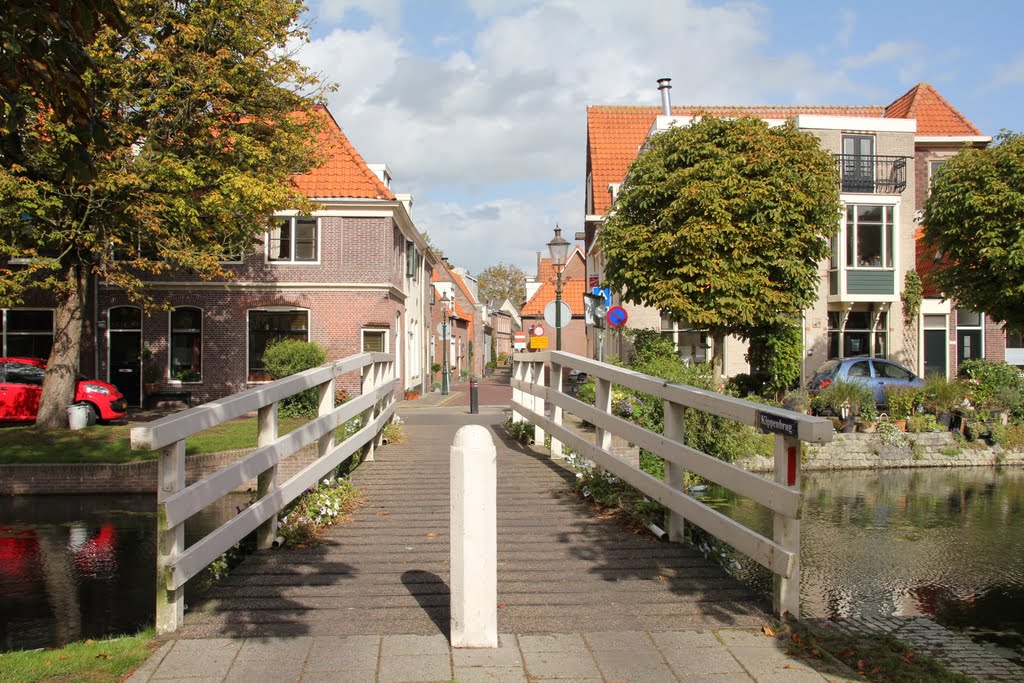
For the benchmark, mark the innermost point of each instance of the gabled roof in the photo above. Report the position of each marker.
(615, 133)
(572, 289)
(344, 173)
(935, 116)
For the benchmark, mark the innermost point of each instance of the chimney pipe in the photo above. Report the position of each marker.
(664, 85)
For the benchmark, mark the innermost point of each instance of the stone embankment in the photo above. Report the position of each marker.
(870, 451)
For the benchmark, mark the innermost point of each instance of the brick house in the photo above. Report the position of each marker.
(884, 155)
(454, 302)
(540, 291)
(352, 277)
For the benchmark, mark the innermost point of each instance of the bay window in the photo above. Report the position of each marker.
(869, 236)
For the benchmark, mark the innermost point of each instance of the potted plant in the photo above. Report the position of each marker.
(900, 402)
(942, 397)
(867, 417)
(844, 400)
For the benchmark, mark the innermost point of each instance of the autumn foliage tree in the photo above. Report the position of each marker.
(500, 282)
(205, 115)
(974, 217)
(722, 224)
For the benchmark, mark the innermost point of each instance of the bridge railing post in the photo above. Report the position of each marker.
(266, 481)
(786, 530)
(537, 380)
(556, 410)
(474, 539)
(675, 429)
(603, 402)
(370, 382)
(170, 604)
(518, 367)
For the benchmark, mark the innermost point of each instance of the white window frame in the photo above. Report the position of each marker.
(202, 343)
(889, 236)
(270, 309)
(980, 327)
(291, 260)
(375, 330)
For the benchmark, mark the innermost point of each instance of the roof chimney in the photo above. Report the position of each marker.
(664, 85)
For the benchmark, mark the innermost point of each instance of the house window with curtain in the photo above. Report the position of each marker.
(27, 333)
(187, 344)
(375, 341)
(869, 236)
(292, 240)
(267, 327)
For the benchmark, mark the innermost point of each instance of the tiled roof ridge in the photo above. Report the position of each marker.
(906, 105)
(686, 108)
(334, 135)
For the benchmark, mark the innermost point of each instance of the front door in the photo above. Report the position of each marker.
(126, 353)
(935, 346)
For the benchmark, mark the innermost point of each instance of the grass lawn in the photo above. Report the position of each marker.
(110, 444)
(90, 661)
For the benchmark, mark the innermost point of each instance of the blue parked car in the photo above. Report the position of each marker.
(874, 373)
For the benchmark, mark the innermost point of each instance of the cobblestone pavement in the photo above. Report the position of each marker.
(958, 652)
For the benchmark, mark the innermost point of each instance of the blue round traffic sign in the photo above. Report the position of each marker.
(617, 316)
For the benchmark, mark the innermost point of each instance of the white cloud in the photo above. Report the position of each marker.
(507, 114)
(885, 53)
(1010, 75)
(849, 19)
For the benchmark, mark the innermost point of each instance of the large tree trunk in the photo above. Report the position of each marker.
(62, 366)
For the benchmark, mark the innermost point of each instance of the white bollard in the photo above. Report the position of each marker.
(474, 539)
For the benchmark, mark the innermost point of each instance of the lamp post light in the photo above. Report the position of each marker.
(444, 344)
(559, 249)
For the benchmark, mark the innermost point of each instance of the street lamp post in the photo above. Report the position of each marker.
(559, 249)
(444, 344)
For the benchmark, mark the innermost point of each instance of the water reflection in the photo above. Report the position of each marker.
(74, 567)
(942, 542)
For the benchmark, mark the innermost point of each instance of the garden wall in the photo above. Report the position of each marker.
(868, 451)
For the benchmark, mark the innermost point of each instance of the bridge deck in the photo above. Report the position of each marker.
(560, 568)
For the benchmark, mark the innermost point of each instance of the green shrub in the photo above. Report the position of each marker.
(798, 400)
(941, 394)
(288, 357)
(992, 385)
(1010, 436)
(900, 401)
(304, 520)
(849, 395)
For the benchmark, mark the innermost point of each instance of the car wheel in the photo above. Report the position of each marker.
(94, 415)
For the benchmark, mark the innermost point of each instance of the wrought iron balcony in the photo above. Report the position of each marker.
(874, 174)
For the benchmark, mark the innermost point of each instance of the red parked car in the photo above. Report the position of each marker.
(21, 384)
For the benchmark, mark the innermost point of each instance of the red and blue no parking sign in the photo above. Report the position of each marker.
(617, 316)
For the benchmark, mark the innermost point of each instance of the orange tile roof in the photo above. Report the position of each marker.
(572, 289)
(615, 133)
(343, 173)
(935, 115)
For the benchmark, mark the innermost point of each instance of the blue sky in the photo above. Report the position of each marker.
(479, 107)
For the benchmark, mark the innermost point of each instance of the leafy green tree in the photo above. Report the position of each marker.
(723, 224)
(205, 117)
(975, 216)
(287, 357)
(500, 282)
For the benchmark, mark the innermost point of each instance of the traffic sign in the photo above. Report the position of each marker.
(550, 314)
(605, 292)
(617, 316)
(537, 330)
(539, 343)
(519, 341)
(445, 331)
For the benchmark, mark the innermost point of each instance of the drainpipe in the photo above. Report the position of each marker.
(664, 85)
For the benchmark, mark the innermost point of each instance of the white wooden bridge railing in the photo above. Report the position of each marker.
(780, 554)
(176, 502)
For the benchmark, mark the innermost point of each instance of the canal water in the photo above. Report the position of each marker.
(948, 543)
(77, 567)
(943, 542)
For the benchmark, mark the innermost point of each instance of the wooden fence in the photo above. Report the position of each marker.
(544, 406)
(176, 503)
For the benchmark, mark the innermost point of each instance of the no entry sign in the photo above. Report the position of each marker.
(617, 316)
